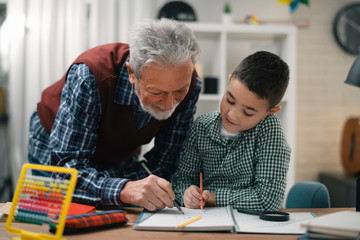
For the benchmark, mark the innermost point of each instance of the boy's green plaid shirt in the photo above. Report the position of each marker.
(247, 172)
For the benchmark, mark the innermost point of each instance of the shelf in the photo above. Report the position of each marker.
(260, 30)
(210, 97)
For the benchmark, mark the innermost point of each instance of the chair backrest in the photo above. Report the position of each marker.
(308, 194)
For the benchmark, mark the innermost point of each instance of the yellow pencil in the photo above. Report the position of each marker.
(188, 222)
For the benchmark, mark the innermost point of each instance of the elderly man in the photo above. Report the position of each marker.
(112, 100)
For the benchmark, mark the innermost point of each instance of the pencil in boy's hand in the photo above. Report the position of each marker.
(201, 191)
(150, 173)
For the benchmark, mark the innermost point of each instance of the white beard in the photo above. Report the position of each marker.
(157, 114)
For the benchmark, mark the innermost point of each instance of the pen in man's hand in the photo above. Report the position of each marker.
(146, 168)
(149, 172)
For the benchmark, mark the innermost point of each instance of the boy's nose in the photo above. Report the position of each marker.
(233, 114)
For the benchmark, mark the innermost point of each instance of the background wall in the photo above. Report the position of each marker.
(324, 102)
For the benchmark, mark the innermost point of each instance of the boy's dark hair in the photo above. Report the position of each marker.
(265, 74)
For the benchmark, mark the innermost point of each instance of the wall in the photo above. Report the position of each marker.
(211, 10)
(324, 102)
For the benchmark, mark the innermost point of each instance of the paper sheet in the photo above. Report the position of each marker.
(253, 224)
(216, 219)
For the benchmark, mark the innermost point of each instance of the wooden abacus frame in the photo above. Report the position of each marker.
(39, 200)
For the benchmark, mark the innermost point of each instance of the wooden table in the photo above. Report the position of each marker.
(126, 232)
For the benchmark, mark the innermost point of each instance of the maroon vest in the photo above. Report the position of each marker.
(118, 137)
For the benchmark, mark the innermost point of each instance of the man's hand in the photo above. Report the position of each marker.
(151, 193)
(192, 197)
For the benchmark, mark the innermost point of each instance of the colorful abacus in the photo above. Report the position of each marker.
(42, 200)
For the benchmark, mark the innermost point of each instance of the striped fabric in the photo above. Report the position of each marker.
(93, 221)
(96, 219)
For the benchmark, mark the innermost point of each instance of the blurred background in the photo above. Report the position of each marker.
(39, 39)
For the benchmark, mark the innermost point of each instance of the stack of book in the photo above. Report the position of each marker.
(339, 225)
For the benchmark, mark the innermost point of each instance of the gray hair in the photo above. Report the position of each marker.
(164, 42)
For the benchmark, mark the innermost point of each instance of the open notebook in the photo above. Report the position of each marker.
(219, 219)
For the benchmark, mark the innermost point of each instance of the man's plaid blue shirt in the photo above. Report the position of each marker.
(74, 136)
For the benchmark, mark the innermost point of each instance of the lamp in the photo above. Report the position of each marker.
(353, 78)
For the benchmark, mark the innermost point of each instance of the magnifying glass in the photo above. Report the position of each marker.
(268, 215)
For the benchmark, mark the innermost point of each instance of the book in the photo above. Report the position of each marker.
(223, 219)
(78, 209)
(74, 209)
(340, 224)
(309, 235)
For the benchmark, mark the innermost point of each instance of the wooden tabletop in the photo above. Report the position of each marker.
(127, 233)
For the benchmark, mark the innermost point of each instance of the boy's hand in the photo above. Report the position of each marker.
(209, 198)
(192, 197)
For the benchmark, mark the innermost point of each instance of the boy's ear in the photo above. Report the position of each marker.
(132, 78)
(275, 109)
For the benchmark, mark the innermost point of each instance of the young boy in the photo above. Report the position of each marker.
(241, 150)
